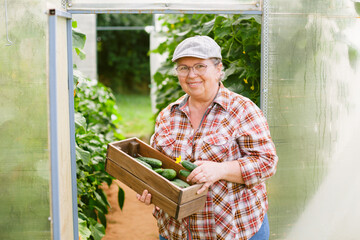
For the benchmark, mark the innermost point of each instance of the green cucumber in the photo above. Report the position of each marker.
(155, 163)
(169, 174)
(180, 183)
(188, 165)
(184, 173)
(144, 163)
(159, 170)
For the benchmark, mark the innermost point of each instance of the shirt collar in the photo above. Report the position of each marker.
(222, 99)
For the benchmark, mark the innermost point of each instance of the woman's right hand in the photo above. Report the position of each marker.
(145, 197)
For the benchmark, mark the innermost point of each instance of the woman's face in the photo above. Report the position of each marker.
(201, 87)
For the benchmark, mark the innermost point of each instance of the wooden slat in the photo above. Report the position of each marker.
(189, 193)
(138, 186)
(191, 207)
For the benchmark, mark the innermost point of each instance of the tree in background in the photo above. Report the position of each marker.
(123, 61)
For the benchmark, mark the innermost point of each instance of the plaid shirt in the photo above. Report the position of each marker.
(232, 129)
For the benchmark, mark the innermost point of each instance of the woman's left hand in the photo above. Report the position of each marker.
(207, 172)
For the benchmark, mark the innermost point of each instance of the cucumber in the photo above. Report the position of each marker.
(169, 174)
(155, 163)
(188, 165)
(144, 163)
(184, 173)
(180, 183)
(159, 170)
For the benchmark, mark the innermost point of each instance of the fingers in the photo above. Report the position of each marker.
(203, 188)
(198, 175)
(195, 176)
(199, 163)
(145, 197)
(206, 173)
(148, 199)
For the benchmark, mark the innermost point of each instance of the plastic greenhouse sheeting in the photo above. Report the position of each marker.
(312, 48)
(24, 152)
(313, 111)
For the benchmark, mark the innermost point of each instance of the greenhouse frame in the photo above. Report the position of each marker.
(310, 79)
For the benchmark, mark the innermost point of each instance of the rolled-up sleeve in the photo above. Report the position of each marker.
(258, 155)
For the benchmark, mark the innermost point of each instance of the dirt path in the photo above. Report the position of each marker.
(135, 221)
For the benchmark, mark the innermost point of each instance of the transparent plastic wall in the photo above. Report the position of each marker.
(313, 111)
(24, 156)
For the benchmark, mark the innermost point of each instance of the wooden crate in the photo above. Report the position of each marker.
(175, 201)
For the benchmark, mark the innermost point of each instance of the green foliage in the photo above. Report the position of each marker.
(79, 42)
(96, 124)
(123, 61)
(239, 37)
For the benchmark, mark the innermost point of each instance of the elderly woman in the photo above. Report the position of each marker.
(228, 137)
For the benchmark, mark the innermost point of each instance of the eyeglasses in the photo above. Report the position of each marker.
(198, 69)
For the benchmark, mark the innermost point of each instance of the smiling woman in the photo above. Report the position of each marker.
(239, 37)
(227, 137)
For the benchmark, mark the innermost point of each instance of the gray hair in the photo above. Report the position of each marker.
(217, 61)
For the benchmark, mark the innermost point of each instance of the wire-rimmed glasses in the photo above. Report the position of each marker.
(198, 69)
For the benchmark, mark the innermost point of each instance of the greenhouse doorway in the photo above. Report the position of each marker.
(229, 7)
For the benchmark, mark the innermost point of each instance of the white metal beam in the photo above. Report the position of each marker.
(169, 7)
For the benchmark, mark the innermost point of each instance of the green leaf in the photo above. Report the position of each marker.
(121, 198)
(84, 231)
(222, 32)
(161, 48)
(80, 122)
(79, 77)
(208, 27)
(82, 155)
(180, 34)
(80, 53)
(74, 24)
(97, 229)
(231, 69)
(79, 39)
(102, 218)
(218, 20)
(100, 203)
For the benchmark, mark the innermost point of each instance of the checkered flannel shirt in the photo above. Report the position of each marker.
(232, 129)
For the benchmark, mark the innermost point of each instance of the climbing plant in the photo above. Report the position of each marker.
(97, 122)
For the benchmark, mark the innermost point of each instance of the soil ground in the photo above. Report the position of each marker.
(134, 221)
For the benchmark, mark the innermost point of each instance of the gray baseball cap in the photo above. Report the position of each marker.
(202, 47)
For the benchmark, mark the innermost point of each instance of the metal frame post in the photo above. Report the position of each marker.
(55, 215)
(53, 14)
(72, 128)
(264, 77)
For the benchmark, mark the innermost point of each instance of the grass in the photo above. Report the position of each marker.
(137, 116)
